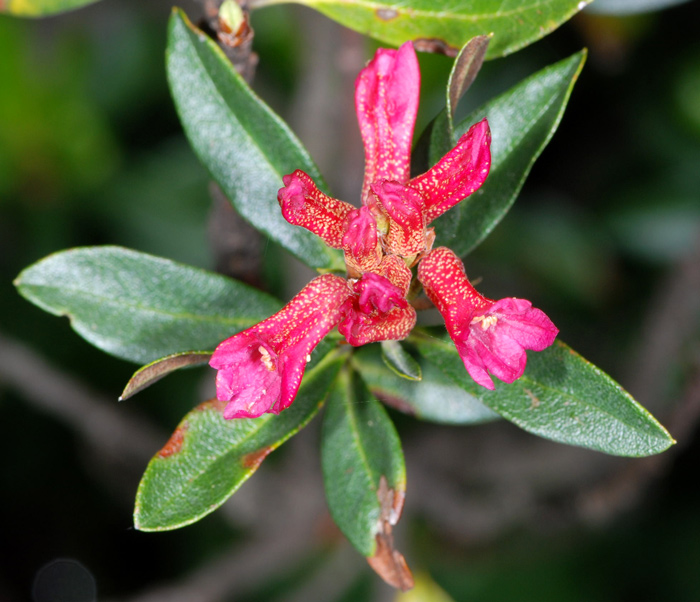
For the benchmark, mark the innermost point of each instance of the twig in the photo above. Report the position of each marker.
(671, 320)
(119, 435)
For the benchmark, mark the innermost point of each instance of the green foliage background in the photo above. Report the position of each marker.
(91, 152)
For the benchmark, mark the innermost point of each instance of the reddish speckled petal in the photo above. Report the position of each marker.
(458, 174)
(406, 236)
(378, 293)
(395, 270)
(303, 204)
(529, 326)
(474, 365)
(386, 99)
(360, 328)
(360, 241)
(247, 376)
(490, 336)
(260, 369)
(445, 282)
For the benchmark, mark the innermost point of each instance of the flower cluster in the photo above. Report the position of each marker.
(260, 369)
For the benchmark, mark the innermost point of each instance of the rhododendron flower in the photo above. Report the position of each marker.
(391, 226)
(490, 336)
(260, 369)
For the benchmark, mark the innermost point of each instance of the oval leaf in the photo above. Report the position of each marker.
(244, 145)
(140, 307)
(561, 397)
(522, 121)
(447, 26)
(359, 446)
(40, 8)
(399, 361)
(434, 397)
(208, 458)
(153, 372)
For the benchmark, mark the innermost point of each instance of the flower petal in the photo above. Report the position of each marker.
(527, 325)
(445, 282)
(458, 174)
(395, 270)
(260, 369)
(360, 241)
(490, 336)
(474, 365)
(406, 236)
(386, 99)
(360, 328)
(247, 374)
(378, 293)
(303, 204)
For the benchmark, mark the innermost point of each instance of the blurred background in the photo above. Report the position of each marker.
(605, 237)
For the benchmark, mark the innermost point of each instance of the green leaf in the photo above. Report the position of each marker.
(140, 307)
(245, 146)
(359, 446)
(434, 397)
(150, 373)
(447, 26)
(399, 361)
(522, 121)
(40, 8)
(208, 458)
(561, 397)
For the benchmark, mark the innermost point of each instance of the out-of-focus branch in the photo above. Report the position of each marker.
(235, 244)
(671, 324)
(238, 570)
(671, 319)
(119, 440)
(121, 436)
(624, 488)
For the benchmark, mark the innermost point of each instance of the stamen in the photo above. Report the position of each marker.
(266, 358)
(486, 321)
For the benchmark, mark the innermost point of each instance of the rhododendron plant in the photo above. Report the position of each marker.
(381, 241)
(353, 337)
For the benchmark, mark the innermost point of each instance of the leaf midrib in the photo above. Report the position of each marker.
(96, 298)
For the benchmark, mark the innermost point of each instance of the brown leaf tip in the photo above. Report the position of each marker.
(435, 45)
(388, 562)
(174, 444)
(254, 459)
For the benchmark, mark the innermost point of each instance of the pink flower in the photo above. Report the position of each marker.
(490, 336)
(260, 369)
(396, 209)
(379, 310)
(392, 222)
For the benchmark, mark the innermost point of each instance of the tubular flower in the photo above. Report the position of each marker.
(396, 209)
(392, 223)
(490, 336)
(260, 369)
